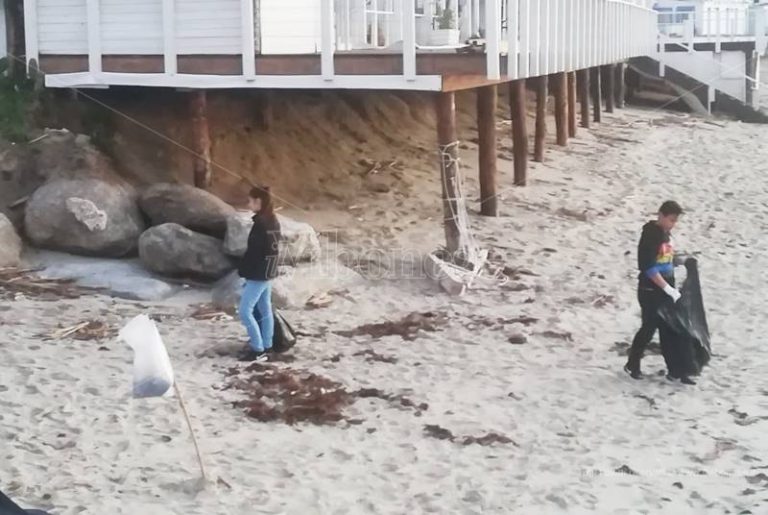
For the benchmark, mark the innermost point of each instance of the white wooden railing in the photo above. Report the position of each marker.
(537, 36)
(548, 36)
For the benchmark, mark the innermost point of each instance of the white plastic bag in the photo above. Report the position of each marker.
(152, 371)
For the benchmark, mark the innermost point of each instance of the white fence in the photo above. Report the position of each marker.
(548, 36)
(520, 38)
(538, 36)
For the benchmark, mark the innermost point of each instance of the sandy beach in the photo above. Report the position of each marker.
(575, 434)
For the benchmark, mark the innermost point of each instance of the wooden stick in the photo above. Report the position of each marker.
(560, 87)
(572, 104)
(67, 331)
(191, 430)
(18, 202)
(486, 126)
(583, 83)
(519, 131)
(541, 119)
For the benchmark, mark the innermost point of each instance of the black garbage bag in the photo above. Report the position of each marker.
(285, 336)
(687, 321)
(8, 507)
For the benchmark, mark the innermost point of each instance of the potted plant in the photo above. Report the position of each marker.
(446, 33)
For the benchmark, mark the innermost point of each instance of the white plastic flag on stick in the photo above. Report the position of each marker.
(152, 370)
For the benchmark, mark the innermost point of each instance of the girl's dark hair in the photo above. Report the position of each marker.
(262, 193)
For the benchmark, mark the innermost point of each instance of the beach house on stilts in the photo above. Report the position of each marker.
(436, 46)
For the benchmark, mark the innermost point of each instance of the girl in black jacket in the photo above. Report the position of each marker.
(258, 267)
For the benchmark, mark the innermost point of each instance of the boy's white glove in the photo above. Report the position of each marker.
(672, 292)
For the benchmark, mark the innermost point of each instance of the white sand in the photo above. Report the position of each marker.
(74, 442)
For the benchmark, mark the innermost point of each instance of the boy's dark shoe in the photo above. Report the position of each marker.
(634, 372)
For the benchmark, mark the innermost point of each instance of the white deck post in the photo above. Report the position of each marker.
(544, 18)
(619, 38)
(589, 35)
(492, 38)
(409, 39)
(347, 25)
(327, 47)
(558, 33)
(94, 36)
(596, 32)
(513, 19)
(630, 27)
(169, 37)
(525, 39)
(622, 30)
(30, 32)
(617, 34)
(760, 34)
(536, 33)
(578, 14)
(374, 25)
(573, 41)
(603, 32)
(247, 18)
(718, 33)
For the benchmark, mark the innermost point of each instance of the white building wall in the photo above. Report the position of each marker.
(290, 27)
(62, 27)
(208, 27)
(134, 27)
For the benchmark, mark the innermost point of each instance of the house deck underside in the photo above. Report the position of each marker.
(457, 71)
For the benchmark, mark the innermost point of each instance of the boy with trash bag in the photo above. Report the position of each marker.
(656, 287)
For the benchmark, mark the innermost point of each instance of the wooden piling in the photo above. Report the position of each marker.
(486, 127)
(608, 76)
(542, 97)
(619, 85)
(201, 169)
(517, 93)
(560, 91)
(572, 104)
(597, 102)
(583, 85)
(448, 147)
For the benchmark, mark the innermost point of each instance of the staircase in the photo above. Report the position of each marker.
(712, 58)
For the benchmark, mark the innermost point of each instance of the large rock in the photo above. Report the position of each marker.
(55, 154)
(298, 240)
(293, 287)
(188, 206)
(10, 243)
(175, 251)
(84, 216)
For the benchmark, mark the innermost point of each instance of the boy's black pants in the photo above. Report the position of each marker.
(650, 302)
